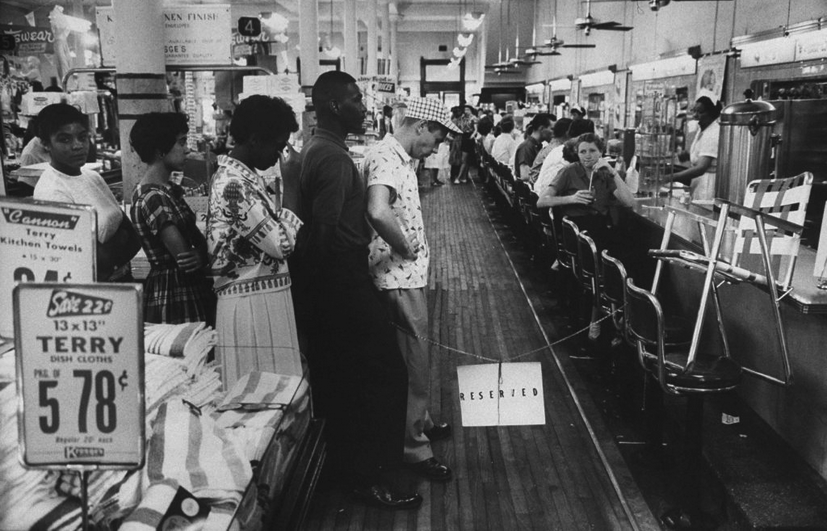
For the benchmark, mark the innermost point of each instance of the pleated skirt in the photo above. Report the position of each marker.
(257, 332)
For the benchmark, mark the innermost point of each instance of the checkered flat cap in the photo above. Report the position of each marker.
(432, 110)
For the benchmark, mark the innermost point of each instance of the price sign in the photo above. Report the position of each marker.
(249, 26)
(43, 242)
(80, 375)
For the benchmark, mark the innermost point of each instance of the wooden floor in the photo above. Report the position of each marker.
(552, 476)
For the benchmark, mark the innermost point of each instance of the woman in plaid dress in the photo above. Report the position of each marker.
(177, 288)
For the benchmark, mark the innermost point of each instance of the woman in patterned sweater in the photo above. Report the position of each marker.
(250, 235)
(177, 288)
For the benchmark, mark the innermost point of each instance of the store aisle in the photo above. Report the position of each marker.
(522, 477)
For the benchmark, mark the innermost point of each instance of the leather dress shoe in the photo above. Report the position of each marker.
(383, 497)
(431, 469)
(438, 432)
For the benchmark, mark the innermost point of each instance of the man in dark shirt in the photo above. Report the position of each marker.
(357, 372)
(539, 131)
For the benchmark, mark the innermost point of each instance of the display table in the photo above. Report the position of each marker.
(251, 464)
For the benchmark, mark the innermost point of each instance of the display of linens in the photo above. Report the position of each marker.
(257, 428)
(190, 444)
(192, 341)
(28, 497)
(188, 449)
(261, 390)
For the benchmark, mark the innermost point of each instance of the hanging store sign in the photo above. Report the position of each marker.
(683, 65)
(43, 242)
(194, 35)
(769, 52)
(556, 85)
(811, 45)
(506, 394)
(80, 377)
(596, 79)
(29, 40)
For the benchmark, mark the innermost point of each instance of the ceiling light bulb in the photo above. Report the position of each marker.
(472, 21)
(465, 40)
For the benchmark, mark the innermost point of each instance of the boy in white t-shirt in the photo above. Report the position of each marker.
(64, 132)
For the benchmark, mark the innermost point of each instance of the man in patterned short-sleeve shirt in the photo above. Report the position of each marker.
(399, 258)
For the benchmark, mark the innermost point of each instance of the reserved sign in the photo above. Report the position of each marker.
(43, 242)
(507, 394)
(80, 376)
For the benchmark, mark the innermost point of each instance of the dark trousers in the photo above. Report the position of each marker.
(358, 376)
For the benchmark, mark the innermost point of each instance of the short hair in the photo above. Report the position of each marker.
(542, 119)
(156, 131)
(713, 109)
(579, 127)
(264, 117)
(329, 86)
(561, 127)
(485, 125)
(570, 150)
(433, 125)
(55, 116)
(591, 138)
(507, 123)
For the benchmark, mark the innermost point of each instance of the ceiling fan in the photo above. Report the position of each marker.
(554, 43)
(589, 23)
(655, 5)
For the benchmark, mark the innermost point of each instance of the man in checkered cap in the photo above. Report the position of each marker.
(399, 258)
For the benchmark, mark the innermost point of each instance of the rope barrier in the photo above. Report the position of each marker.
(503, 360)
(446, 347)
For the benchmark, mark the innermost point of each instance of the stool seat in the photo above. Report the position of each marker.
(715, 374)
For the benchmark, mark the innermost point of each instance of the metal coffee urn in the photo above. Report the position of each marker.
(744, 147)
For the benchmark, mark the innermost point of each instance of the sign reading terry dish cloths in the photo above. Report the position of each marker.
(80, 378)
(507, 394)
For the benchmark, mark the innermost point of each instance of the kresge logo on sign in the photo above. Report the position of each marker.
(83, 452)
(65, 303)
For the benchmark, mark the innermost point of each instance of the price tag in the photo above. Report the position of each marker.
(80, 375)
(43, 242)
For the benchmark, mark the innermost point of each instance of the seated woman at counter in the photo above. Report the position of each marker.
(585, 191)
(250, 236)
(64, 132)
(177, 289)
(703, 153)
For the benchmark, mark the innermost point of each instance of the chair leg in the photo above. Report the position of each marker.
(688, 514)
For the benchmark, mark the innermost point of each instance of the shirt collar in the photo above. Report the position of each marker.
(329, 135)
(397, 148)
(238, 166)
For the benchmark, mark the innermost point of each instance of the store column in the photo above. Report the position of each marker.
(393, 55)
(350, 31)
(140, 75)
(385, 54)
(372, 45)
(309, 42)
